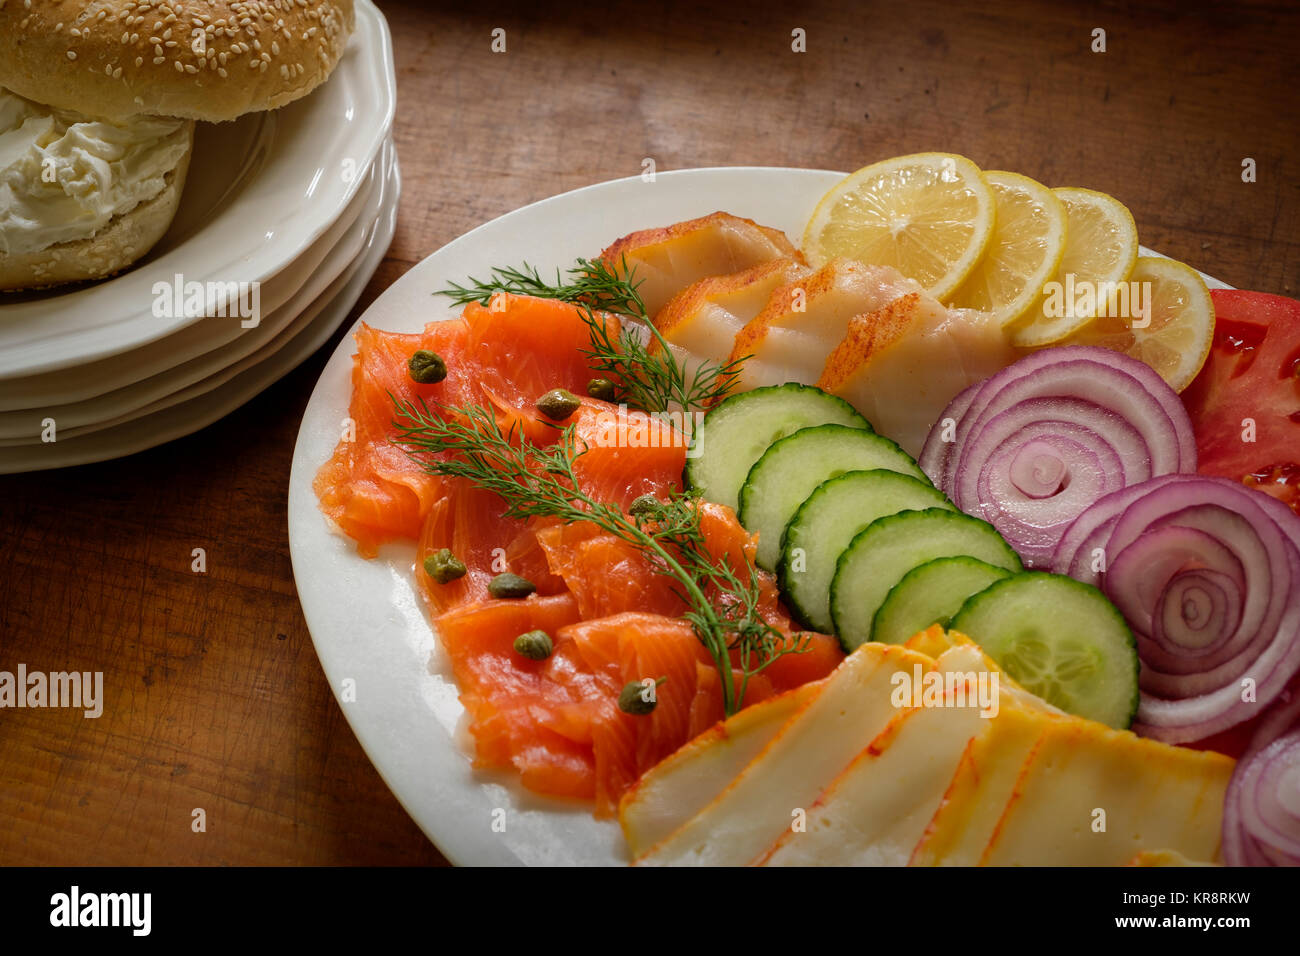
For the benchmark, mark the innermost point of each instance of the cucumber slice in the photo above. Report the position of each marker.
(825, 524)
(931, 594)
(792, 468)
(736, 432)
(878, 557)
(1060, 639)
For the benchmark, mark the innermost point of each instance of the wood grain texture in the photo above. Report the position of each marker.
(214, 695)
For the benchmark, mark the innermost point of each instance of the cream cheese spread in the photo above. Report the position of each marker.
(64, 176)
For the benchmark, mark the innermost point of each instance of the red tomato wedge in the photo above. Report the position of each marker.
(1245, 403)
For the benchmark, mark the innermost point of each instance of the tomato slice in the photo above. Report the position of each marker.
(1250, 389)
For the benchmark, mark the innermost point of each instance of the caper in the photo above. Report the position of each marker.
(509, 585)
(534, 645)
(443, 566)
(638, 699)
(602, 388)
(646, 504)
(558, 404)
(426, 368)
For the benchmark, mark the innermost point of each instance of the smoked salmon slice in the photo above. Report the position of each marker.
(369, 487)
(468, 521)
(612, 618)
(503, 356)
(625, 453)
(557, 721)
(629, 628)
(509, 698)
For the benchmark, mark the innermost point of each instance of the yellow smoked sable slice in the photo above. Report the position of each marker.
(700, 322)
(683, 784)
(669, 259)
(1028, 793)
(1093, 796)
(813, 747)
(804, 320)
(901, 365)
(1164, 858)
(979, 791)
(876, 810)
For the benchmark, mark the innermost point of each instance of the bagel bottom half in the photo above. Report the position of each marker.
(125, 239)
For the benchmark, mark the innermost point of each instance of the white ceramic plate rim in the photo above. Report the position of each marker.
(368, 624)
(189, 416)
(250, 240)
(103, 379)
(277, 328)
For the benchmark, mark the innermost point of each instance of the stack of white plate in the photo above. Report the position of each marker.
(291, 211)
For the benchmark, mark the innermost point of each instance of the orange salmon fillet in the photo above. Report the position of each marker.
(611, 617)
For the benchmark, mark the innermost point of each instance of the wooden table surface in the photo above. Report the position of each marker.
(214, 696)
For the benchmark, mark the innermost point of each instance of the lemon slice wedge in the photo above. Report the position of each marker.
(1025, 252)
(1171, 326)
(929, 215)
(1101, 248)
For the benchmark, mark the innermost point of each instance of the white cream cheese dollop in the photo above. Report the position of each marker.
(63, 176)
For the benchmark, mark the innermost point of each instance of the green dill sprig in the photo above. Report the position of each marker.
(590, 282)
(723, 607)
(648, 374)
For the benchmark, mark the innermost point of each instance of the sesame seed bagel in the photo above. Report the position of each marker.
(208, 60)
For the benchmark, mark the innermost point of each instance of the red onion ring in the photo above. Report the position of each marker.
(1034, 522)
(1144, 578)
(1119, 424)
(1074, 555)
(1261, 815)
(936, 455)
(1226, 541)
(1183, 609)
(1240, 847)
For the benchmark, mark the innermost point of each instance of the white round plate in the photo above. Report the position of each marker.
(269, 185)
(330, 308)
(196, 341)
(250, 346)
(366, 619)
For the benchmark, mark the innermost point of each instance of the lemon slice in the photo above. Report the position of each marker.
(929, 215)
(1101, 247)
(1026, 250)
(1170, 325)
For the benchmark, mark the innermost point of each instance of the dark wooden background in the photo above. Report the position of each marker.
(214, 695)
